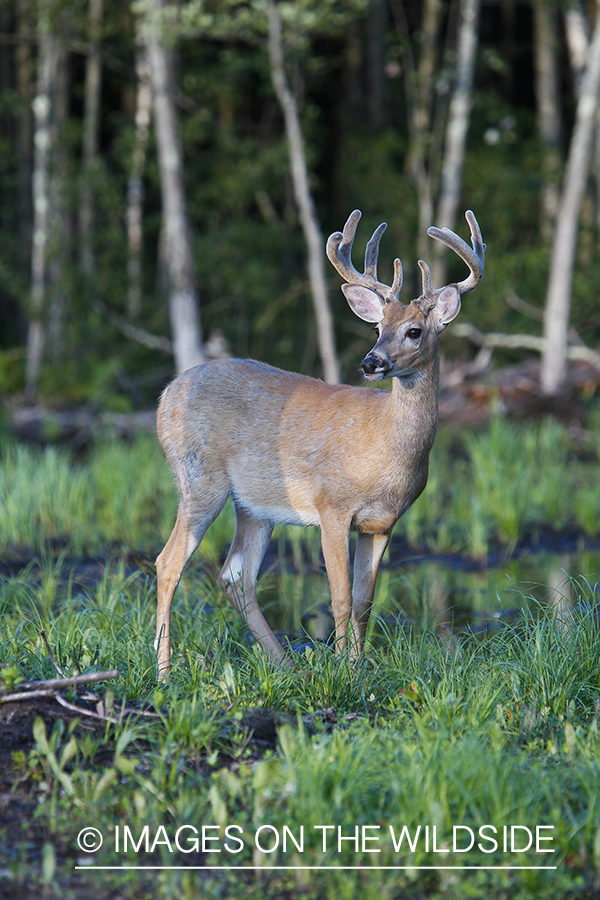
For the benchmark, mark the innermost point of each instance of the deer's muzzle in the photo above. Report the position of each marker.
(374, 365)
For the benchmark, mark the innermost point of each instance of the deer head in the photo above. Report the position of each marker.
(406, 334)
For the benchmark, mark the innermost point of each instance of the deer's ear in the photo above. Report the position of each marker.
(366, 304)
(447, 306)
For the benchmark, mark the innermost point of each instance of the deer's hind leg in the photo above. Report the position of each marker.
(239, 574)
(196, 512)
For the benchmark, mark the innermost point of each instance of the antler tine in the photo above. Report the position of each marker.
(398, 280)
(372, 251)
(427, 288)
(473, 256)
(339, 251)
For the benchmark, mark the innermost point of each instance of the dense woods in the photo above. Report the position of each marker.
(169, 174)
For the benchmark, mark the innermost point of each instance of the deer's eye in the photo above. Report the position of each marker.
(414, 333)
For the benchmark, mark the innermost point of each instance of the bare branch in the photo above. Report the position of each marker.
(56, 684)
(536, 312)
(81, 711)
(521, 342)
(523, 306)
(27, 695)
(134, 332)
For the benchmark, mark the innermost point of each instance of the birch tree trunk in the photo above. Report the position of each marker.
(60, 219)
(91, 121)
(577, 31)
(135, 187)
(458, 123)
(548, 109)
(306, 208)
(558, 298)
(48, 58)
(183, 293)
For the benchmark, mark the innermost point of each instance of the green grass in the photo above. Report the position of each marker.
(487, 488)
(430, 728)
(496, 486)
(122, 496)
(499, 731)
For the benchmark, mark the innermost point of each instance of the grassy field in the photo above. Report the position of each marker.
(486, 488)
(489, 738)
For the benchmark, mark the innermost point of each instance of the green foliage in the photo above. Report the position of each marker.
(242, 20)
(504, 483)
(44, 497)
(516, 472)
(494, 487)
(421, 732)
(133, 489)
(122, 496)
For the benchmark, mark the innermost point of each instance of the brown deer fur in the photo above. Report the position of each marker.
(291, 449)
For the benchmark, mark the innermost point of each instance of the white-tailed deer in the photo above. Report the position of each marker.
(291, 449)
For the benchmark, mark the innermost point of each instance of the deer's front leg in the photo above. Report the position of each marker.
(335, 534)
(367, 559)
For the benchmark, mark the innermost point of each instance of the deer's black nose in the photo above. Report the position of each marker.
(372, 363)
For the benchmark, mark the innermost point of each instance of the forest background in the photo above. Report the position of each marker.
(123, 259)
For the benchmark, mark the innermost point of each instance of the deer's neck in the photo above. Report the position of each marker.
(414, 401)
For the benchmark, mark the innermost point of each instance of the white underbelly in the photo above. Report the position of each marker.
(278, 514)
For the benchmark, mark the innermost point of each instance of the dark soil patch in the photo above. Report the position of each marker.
(22, 836)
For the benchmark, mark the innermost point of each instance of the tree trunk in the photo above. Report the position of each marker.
(457, 127)
(304, 201)
(548, 109)
(135, 188)
(419, 83)
(24, 136)
(422, 126)
(60, 222)
(577, 34)
(376, 48)
(183, 293)
(577, 31)
(558, 299)
(44, 137)
(91, 117)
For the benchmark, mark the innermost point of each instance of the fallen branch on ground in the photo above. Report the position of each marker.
(30, 690)
(51, 687)
(56, 684)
